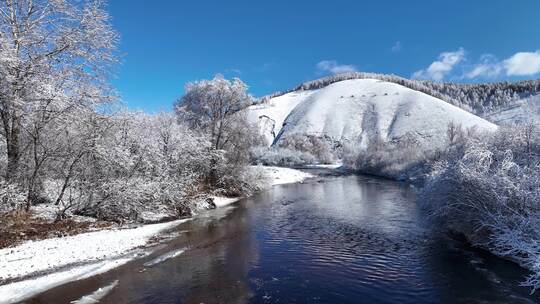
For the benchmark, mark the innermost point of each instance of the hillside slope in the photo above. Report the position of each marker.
(362, 111)
(525, 110)
(271, 114)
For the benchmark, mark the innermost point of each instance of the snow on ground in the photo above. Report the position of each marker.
(360, 110)
(34, 257)
(19, 291)
(105, 250)
(277, 176)
(281, 175)
(165, 257)
(49, 211)
(221, 201)
(97, 295)
(324, 166)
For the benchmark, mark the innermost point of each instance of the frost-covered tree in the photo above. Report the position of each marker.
(140, 163)
(215, 106)
(488, 188)
(131, 165)
(454, 132)
(284, 157)
(54, 56)
(319, 147)
(399, 159)
(65, 144)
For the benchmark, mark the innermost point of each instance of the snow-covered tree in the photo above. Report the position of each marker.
(66, 144)
(488, 188)
(215, 106)
(319, 147)
(54, 56)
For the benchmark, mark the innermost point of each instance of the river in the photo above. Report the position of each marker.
(335, 239)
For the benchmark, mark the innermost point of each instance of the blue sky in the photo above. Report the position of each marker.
(275, 45)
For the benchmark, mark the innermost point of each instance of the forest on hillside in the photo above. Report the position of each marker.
(476, 98)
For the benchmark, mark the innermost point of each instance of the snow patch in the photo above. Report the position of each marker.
(221, 201)
(34, 257)
(49, 212)
(324, 166)
(97, 295)
(165, 257)
(277, 176)
(19, 291)
(281, 175)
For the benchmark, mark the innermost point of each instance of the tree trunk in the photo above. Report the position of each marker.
(13, 149)
(67, 179)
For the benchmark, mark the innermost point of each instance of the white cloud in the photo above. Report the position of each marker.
(332, 66)
(523, 64)
(396, 47)
(519, 64)
(489, 67)
(483, 70)
(441, 67)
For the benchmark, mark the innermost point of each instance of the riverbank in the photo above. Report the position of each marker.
(55, 261)
(36, 266)
(288, 244)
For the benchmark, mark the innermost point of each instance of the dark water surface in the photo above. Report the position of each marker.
(346, 239)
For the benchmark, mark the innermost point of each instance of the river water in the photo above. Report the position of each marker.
(348, 239)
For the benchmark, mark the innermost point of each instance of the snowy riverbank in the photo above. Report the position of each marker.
(280, 175)
(52, 262)
(73, 258)
(277, 176)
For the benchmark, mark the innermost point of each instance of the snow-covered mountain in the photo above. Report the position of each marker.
(359, 111)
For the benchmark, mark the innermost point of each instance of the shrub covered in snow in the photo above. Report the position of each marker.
(240, 180)
(117, 165)
(402, 159)
(314, 145)
(488, 188)
(139, 162)
(283, 157)
(149, 162)
(295, 150)
(11, 197)
(122, 166)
